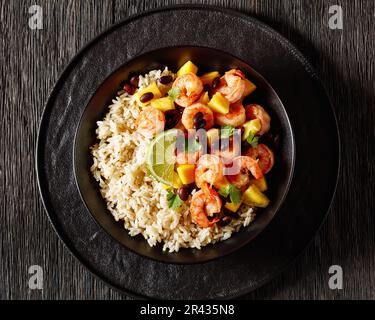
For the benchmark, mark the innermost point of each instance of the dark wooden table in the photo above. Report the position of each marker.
(31, 61)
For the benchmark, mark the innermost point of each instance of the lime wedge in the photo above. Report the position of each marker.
(161, 158)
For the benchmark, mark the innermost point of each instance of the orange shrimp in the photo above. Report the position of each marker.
(228, 150)
(244, 165)
(255, 111)
(235, 117)
(191, 87)
(205, 203)
(264, 155)
(150, 122)
(189, 113)
(232, 85)
(209, 171)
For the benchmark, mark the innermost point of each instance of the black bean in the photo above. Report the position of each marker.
(191, 186)
(134, 81)
(199, 115)
(206, 87)
(165, 79)
(224, 221)
(172, 117)
(203, 123)
(146, 97)
(129, 89)
(230, 213)
(215, 83)
(183, 193)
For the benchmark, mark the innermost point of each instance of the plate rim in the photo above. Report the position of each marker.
(64, 73)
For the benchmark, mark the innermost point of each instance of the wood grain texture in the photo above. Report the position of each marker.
(30, 65)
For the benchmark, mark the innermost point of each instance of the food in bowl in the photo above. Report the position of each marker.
(180, 160)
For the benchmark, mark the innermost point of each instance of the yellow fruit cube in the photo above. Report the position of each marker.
(254, 197)
(207, 78)
(252, 126)
(212, 135)
(186, 172)
(163, 104)
(177, 183)
(233, 207)
(187, 67)
(260, 183)
(249, 87)
(153, 88)
(204, 98)
(218, 103)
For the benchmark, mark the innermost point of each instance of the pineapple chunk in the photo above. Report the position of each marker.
(153, 88)
(254, 197)
(186, 68)
(233, 207)
(249, 87)
(186, 173)
(260, 183)
(252, 126)
(204, 98)
(207, 78)
(219, 104)
(163, 104)
(212, 134)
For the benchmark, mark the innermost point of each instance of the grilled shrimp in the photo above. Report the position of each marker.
(243, 165)
(235, 117)
(209, 171)
(264, 155)
(255, 111)
(190, 112)
(205, 203)
(232, 85)
(191, 87)
(150, 122)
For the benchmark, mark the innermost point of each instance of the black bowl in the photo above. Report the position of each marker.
(173, 57)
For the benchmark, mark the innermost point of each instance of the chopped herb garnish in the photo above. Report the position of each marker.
(174, 201)
(252, 139)
(174, 93)
(231, 191)
(227, 131)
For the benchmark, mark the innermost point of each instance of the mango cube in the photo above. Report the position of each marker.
(252, 126)
(207, 78)
(204, 98)
(177, 183)
(249, 87)
(233, 207)
(153, 88)
(186, 172)
(219, 104)
(187, 67)
(260, 183)
(163, 104)
(254, 197)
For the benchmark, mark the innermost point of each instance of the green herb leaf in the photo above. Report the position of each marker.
(252, 139)
(227, 131)
(174, 201)
(231, 191)
(174, 93)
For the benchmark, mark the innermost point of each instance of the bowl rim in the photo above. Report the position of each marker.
(285, 190)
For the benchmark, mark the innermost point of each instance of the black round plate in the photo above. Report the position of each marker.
(316, 145)
(207, 60)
